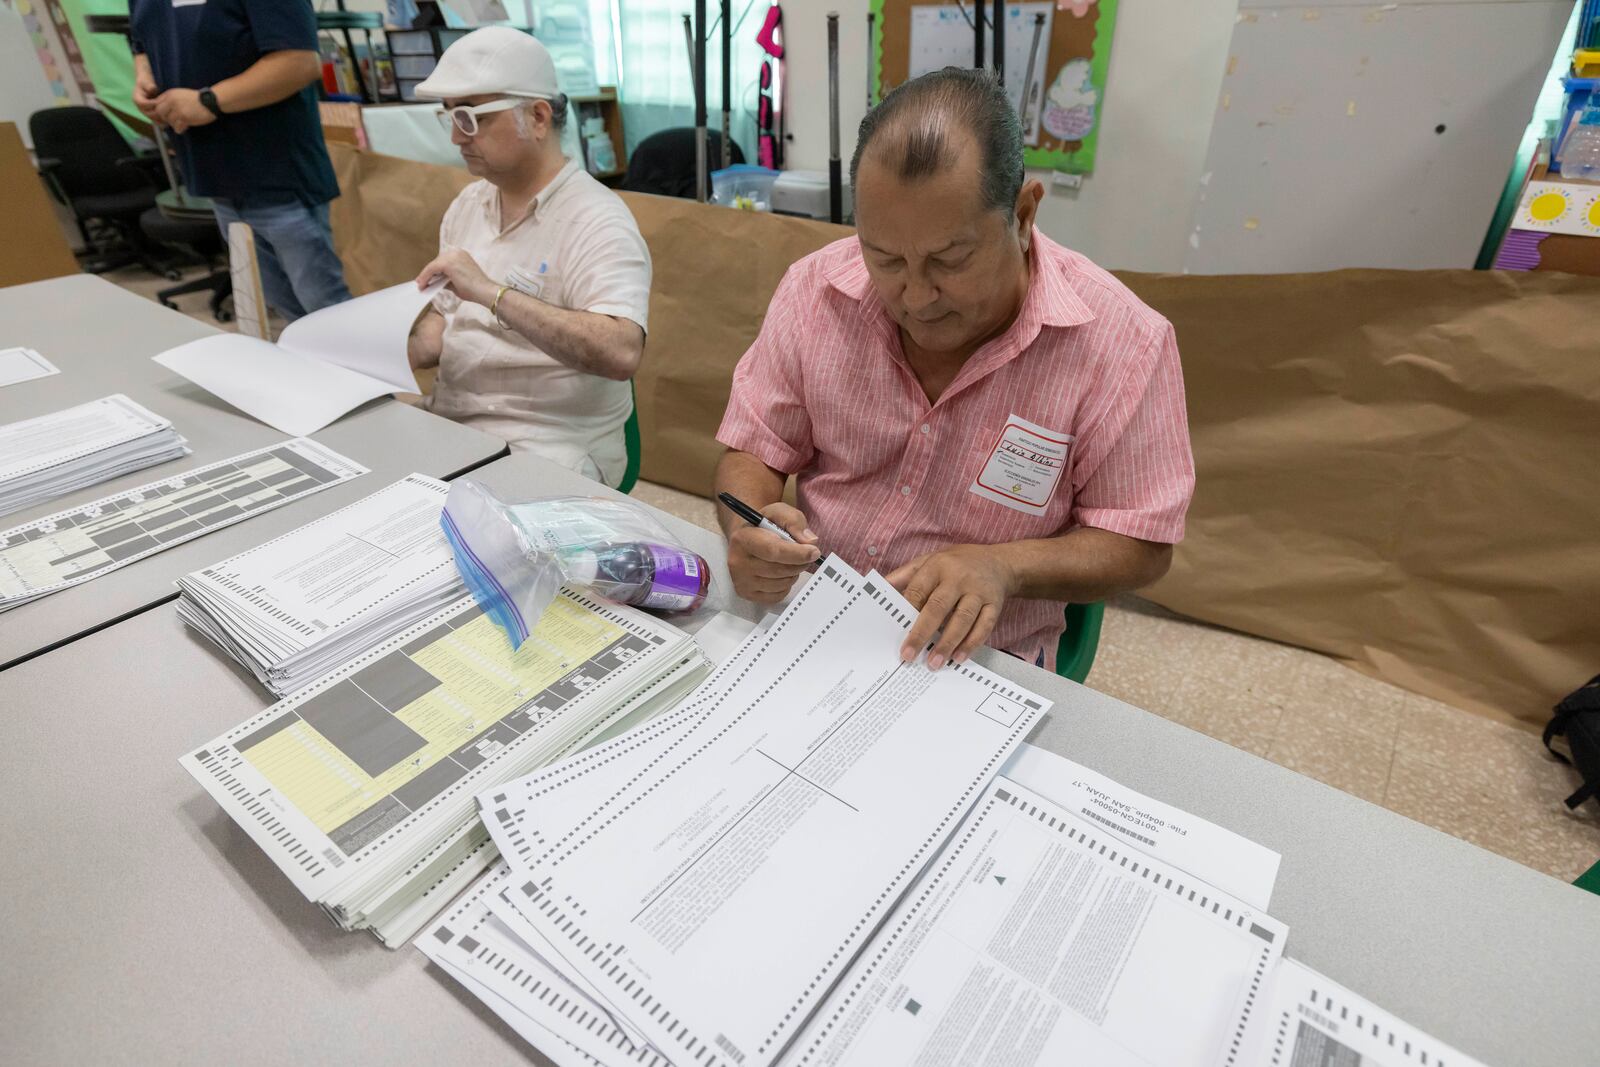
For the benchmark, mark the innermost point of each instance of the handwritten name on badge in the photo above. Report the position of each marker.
(1024, 466)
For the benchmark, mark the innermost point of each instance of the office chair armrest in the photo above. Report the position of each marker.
(47, 167)
(150, 164)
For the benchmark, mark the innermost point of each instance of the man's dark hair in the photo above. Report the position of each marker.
(558, 111)
(916, 122)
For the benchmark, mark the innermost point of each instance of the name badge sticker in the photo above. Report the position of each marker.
(1024, 466)
(528, 282)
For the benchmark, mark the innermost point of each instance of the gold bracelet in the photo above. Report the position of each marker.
(494, 309)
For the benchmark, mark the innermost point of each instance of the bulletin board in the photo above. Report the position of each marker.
(1061, 118)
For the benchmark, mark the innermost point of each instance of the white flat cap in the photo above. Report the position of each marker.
(494, 59)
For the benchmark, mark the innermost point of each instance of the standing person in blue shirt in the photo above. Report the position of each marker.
(235, 80)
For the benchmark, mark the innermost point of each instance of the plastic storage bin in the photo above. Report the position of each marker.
(743, 185)
(1576, 152)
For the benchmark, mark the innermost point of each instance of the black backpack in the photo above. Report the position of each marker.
(1577, 718)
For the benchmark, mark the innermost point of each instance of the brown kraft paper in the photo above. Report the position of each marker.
(1395, 468)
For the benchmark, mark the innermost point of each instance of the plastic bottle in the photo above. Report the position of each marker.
(642, 573)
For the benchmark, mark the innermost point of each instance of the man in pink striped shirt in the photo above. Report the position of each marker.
(987, 418)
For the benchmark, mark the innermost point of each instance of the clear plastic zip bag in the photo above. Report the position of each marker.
(515, 558)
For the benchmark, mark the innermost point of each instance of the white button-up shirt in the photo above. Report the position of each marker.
(577, 247)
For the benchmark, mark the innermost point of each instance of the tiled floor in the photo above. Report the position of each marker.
(1482, 781)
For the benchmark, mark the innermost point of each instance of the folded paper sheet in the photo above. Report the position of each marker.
(323, 365)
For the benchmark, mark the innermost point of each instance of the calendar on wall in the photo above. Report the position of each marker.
(1056, 56)
(941, 36)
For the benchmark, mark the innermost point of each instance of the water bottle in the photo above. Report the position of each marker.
(642, 573)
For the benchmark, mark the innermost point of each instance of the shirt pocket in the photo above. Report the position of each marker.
(1002, 504)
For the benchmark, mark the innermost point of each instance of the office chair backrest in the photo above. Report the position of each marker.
(87, 148)
(664, 162)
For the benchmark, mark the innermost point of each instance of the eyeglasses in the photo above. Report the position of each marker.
(465, 118)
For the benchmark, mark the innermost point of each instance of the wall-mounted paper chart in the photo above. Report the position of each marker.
(941, 36)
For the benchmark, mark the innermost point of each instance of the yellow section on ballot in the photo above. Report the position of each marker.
(473, 680)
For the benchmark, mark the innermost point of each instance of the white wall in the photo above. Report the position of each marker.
(1134, 211)
(23, 88)
(1368, 136)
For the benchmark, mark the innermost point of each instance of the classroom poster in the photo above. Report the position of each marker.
(1058, 87)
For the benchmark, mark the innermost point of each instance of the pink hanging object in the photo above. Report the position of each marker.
(766, 36)
(769, 107)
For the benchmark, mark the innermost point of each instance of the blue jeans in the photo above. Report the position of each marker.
(300, 272)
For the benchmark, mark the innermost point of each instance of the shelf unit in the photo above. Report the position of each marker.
(415, 53)
(602, 105)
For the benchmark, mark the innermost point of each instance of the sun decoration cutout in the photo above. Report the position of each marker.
(1591, 217)
(1548, 206)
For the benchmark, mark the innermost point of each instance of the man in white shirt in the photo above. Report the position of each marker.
(542, 324)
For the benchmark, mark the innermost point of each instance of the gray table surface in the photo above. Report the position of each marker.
(102, 338)
(141, 925)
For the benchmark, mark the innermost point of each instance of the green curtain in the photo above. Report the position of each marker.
(653, 84)
(106, 58)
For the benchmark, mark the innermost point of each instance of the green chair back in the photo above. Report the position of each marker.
(630, 438)
(1589, 879)
(1075, 653)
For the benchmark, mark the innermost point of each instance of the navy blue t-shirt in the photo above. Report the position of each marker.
(272, 154)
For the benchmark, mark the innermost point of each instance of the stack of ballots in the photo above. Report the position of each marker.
(49, 456)
(688, 891)
(360, 786)
(829, 857)
(298, 606)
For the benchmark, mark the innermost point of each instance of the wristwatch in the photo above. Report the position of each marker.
(208, 100)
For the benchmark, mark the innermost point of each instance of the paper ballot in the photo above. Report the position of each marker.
(474, 947)
(1308, 1020)
(59, 453)
(323, 365)
(1040, 938)
(74, 546)
(360, 787)
(1212, 854)
(711, 897)
(19, 365)
(485, 941)
(1039, 933)
(300, 605)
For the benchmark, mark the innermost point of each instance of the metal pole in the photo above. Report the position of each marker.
(160, 135)
(977, 34)
(835, 177)
(1027, 79)
(726, 154)
(688, 44)
(999, 21)
(871, 56)
(700, 100)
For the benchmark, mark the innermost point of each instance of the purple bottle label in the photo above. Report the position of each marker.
(677, 580)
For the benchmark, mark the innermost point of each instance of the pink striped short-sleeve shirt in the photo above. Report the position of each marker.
(1073, 417)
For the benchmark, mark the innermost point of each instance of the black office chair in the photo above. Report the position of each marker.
(90, 168)
(200, 240)
(664, 162)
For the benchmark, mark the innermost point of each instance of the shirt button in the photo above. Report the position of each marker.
(924, 427)
(905, 490)
(872, 550)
